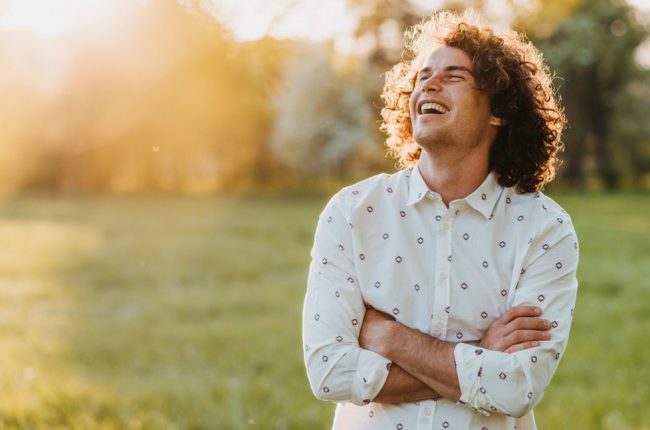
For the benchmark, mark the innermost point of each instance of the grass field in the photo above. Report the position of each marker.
(185, 314)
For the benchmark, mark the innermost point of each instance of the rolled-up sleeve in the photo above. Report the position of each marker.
(512, 383)
(337, 367)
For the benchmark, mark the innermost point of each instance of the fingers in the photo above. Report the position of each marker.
(521, 333)
(520, 311)
(521, 336)
(519, 328)
(522, 346)
(527, 323)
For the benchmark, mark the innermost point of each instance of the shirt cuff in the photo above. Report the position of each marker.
(372, 372)
(469, 366)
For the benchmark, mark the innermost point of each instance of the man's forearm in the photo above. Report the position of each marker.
(401, 387)
(425, 358)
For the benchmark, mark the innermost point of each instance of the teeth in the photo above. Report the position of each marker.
(433, 107)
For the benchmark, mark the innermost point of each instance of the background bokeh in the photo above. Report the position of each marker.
(163, 164)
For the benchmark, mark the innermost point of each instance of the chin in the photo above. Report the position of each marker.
(428, 140)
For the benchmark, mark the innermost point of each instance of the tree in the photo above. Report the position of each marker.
(322, 116)
(383, 22)
(593, 53)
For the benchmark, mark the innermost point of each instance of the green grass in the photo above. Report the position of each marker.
(185, 314)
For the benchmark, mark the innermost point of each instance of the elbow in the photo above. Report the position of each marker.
(519, 405)
(320, 390)
(347, 378)
(505, 405)
(515, 403)
(325, 385)
(515, 391)
(519, 409)
(316, 385)
(327, 393)
(332, 379)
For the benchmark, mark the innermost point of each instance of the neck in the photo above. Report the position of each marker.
(453, 177)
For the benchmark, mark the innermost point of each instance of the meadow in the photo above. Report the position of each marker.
(184, 313)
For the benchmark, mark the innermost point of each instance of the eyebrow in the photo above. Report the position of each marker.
(448, 69)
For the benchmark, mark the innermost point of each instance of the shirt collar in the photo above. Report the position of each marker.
(485, 197)
(418, 189)
(482, 199)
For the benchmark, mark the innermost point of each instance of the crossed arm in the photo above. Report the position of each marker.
(423, 366)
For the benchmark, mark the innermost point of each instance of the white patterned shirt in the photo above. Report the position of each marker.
(449, 272)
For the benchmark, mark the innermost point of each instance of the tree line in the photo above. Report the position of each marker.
(165, 100)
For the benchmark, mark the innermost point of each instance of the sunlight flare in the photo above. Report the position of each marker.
(49, 17)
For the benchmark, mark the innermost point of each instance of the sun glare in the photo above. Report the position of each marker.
(51, 17)
(307, 19)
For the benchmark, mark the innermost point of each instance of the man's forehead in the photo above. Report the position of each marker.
(443, 56)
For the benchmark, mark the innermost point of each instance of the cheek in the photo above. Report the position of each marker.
(412, 101)
(475, 108)
(483, 106)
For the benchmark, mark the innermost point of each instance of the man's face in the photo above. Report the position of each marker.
(447, 110)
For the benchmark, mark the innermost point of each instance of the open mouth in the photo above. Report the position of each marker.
(432, 108)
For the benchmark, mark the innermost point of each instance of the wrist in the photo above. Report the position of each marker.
(393, 336)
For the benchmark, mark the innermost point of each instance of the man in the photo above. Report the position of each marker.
(441, 296)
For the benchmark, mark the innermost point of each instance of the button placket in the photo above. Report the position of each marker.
(425, 414)
(443, 285)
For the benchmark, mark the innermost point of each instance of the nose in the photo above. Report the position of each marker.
(430, 84)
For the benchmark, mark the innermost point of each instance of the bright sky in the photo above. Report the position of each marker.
(319, 20)
(315, 19)
(640, 4)
(52, 16)
(309, 19)
(248, 19)
(305, 19)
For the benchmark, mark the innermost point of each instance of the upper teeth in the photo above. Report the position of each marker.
(434, 106)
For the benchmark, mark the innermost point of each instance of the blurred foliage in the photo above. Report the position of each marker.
(161, 98)
(606, 93)
(322, 117)
(383, 22)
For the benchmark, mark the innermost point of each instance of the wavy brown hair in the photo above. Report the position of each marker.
(512, 72)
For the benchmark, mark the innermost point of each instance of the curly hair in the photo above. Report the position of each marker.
(518, 83)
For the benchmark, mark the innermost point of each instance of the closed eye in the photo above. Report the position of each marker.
(449, 77)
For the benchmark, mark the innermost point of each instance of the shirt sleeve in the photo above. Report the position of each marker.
(492, 381)
(337, 367)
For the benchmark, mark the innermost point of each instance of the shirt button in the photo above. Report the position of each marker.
(445, 226)
(443, 275)
(428, 410)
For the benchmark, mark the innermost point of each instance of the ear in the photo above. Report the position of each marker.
(498, 122)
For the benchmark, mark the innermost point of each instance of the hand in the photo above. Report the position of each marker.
(519, 328)
(375, 332)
